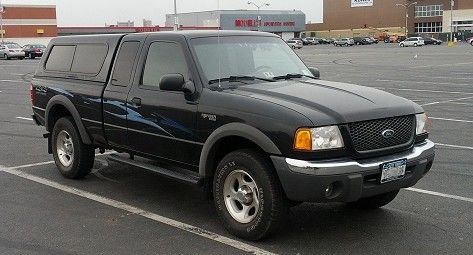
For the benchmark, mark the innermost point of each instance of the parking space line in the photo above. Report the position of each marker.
(431, 91)
(23, 118)
(426, 82)
(433, 193)
(454, 120)
(455, 146)
(14, 81)
(448, 101)
(137, 211)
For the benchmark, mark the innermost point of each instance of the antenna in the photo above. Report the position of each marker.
(218, 45)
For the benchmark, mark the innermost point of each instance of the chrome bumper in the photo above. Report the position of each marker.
(347, 166)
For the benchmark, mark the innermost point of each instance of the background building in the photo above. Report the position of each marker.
(29, 23)
(287, 24)
(351, 18)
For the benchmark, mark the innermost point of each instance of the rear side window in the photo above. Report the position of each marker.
(124, 64)
(89, 58)
(60, 58)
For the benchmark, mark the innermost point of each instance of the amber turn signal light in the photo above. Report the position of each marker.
(303, 140)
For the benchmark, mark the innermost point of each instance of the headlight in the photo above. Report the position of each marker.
(316, 139)
(421, 126)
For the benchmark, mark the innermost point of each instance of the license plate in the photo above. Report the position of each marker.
(392, 171)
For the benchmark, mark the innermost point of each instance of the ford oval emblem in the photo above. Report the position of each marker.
(389, 133)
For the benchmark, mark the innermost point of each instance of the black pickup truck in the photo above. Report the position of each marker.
(235, 113)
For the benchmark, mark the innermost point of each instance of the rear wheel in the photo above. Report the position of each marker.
(73, 158)
(5, 56)
(248, 196)
(471, 43)
(375, 202)
(415, 45)
(402, 45)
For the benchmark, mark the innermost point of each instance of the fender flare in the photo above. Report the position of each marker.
(65, 102)
(234, 129)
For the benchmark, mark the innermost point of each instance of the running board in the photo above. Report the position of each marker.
(181, 175)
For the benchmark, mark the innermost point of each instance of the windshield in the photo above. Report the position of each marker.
(260, 57)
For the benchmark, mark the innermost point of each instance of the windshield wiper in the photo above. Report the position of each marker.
(239, 78)
(293, 76)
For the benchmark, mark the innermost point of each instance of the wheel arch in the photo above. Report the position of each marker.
(241, 131)
(60, 106)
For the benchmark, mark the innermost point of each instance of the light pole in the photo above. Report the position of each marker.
(176, 19)
(259, 8)
(452, 3)
(406, 6)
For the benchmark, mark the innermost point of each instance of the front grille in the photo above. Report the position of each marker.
(368, 135)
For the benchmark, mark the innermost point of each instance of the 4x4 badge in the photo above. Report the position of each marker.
(388, 133)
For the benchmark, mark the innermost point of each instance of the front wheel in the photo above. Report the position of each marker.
(248, 197)
(73, 158)
(375, 202)
(471, 43)
(402, 44)
(415, 45)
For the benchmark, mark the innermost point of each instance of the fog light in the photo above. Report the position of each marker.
(329, 191)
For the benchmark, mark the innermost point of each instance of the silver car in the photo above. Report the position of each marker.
(412, 41)
(295, 44)
(11, 50)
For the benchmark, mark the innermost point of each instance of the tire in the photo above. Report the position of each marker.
(74, 159)
(471, 43)
(402, 45)
(5, 56)
(375, 202)
(261, 182)
(31, 56)
(415, 45)
(293, 47)
(21, 58)
(346, 44)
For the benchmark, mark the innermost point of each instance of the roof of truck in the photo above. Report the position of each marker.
(211, 33)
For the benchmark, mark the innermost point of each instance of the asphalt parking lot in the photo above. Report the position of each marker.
(120, 210)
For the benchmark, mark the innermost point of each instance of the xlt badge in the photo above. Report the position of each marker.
(210, 117)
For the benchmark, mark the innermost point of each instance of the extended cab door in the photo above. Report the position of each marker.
(162, 123)
(114, 98)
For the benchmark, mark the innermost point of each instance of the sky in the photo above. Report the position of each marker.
(101, 12)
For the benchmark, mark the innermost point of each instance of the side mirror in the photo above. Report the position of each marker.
(176, 82)
(315, 72)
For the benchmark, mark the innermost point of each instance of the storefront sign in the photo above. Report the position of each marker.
(361, 3)
(254, 23)
(147, 29)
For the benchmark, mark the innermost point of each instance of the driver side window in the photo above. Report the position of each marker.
(164, 58)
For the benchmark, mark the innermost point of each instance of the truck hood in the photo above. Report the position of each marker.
(328, 103)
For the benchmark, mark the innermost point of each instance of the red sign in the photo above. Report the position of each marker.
(147, 29)
(254, 23)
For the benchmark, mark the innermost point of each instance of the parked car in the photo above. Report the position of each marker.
(374, 40)
(470, 41)
(324, 41)
(161, 97)
(11, 50)
(394, 38)
(361, 41)
(344, 42)
(295, 44)
(412, 41)
(33, 51)
(431, 41)
(313, 41)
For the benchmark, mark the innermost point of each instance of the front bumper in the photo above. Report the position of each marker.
(350, 180)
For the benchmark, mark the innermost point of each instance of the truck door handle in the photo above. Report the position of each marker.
(136, 101)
